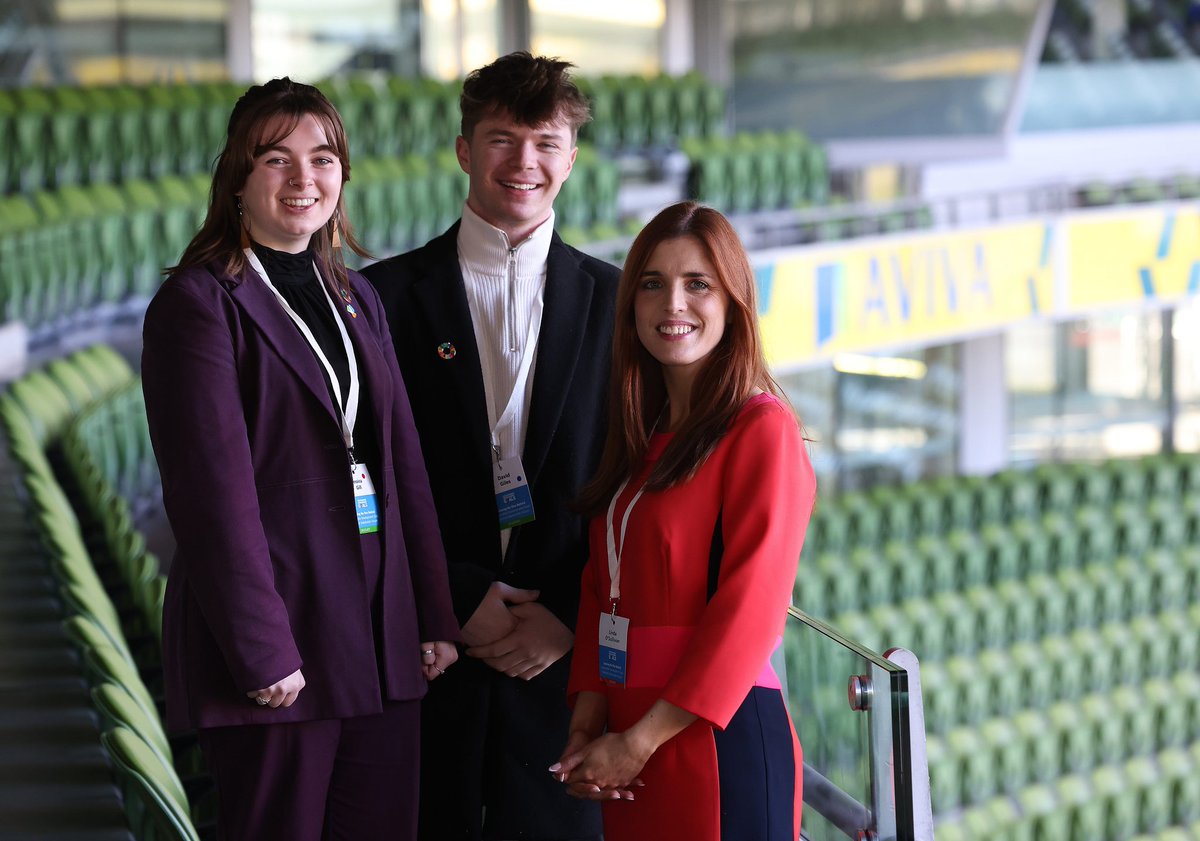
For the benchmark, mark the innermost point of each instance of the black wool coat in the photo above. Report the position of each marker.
(487, 739)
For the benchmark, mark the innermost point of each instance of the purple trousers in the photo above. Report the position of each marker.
(354, 779)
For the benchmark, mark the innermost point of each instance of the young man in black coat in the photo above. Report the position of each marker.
(503, 333)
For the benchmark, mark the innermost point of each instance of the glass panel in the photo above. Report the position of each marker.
(1126, 93)
(616, 36)
(811, 393)
(96, 42)
(878, 68)
(1087, 389)
(1185, 331)
(880, 419)
(330, 38)
(458, 36)
(897, 416)
(855, 761)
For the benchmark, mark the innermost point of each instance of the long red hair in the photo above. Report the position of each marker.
(733, 372)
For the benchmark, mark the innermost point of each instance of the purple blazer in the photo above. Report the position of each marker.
(268, 576)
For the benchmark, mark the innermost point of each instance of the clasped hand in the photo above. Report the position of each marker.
(514, 634)
(604, 768)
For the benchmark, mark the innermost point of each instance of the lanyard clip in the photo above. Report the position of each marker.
(353, 458)
(496, 452)
(614, 607)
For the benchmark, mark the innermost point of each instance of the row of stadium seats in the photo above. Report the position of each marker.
(755, 172)
(37, 411)
(400, 203)
(56, 136)
(1165, 30)
(65, 252)
(85, 413)
(1001, 681)
(872, 518)
(1057, 544)
(955, 623)
(969, 765)
(1055, 613)
(1131, 801)
(389, 115)
(1101, 193)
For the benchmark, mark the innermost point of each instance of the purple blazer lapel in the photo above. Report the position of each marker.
(260, 305)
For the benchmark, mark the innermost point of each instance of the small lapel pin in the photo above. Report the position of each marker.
(446, 350)
(345, 294)
(350, 309)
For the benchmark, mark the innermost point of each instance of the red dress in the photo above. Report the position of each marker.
(736, 771)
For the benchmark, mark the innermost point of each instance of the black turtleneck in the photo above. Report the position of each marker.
(296, 279)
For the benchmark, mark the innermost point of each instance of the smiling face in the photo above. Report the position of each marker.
(680, 308)
(293, 189)
(515, 171)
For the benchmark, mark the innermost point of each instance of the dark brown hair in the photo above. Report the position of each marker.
(219, 238)
(730, 375)
(533, 90)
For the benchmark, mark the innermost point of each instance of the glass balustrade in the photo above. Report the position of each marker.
(851, 708)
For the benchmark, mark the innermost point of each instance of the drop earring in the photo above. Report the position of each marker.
(336, 241)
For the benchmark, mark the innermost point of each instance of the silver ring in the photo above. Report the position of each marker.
(427, 652)
(440, 671)
(261, 701)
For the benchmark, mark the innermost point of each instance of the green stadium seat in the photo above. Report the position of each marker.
(1074, 793)
(1154, 800)
(944, 789)
(976, 771)
(1076, 742)
(971, 686)
(1105, 723)
(1181, 775)
(31, 136)
(1005, 748)
(1040, 806)
(155, 801)
(1040, 748)
(940, 564)
(1060, 656)
(1117, 800)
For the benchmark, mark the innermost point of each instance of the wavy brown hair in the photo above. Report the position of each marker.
(285, 103)
(731, 374)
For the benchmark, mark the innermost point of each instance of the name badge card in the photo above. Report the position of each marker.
(364, 501)
(514, 502)
(614, 642)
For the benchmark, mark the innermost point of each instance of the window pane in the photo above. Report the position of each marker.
(615, 36)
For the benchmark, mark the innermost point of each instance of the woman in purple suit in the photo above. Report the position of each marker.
(307, 605)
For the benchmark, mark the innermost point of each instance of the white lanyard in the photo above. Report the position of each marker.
(614, 557)
(517, 397)
(349, 412)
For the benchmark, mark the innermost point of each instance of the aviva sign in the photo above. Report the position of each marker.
(1131, 258)
(931, 288)
(903, 290)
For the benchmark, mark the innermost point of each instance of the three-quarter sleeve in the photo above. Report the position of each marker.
(767, 491)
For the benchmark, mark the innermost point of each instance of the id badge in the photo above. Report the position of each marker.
(614, 643)
(364, 501)
(514, 502)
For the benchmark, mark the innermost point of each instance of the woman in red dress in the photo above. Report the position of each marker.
(700, 502)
